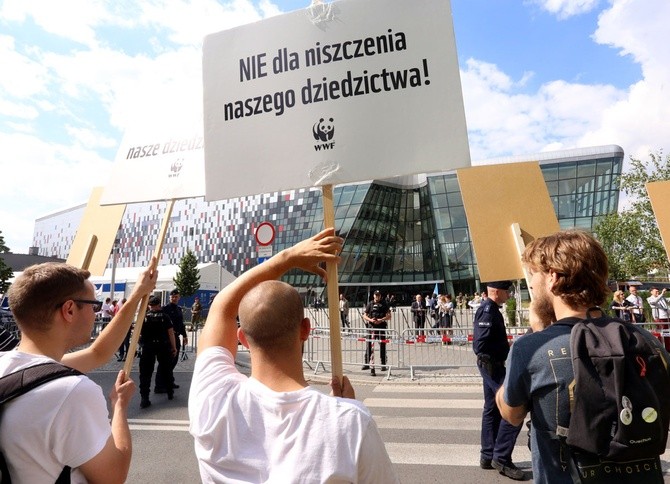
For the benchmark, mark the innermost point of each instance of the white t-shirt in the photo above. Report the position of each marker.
(245, 432)
(61, 423)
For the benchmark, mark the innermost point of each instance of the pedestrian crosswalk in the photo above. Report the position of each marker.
(429, 429)
(432, 433)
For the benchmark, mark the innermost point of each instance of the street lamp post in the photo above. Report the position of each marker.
(115, 252)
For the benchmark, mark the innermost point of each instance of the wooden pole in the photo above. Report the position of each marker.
(520, 246)
(127, 368)
(333, 290)
(90, 249)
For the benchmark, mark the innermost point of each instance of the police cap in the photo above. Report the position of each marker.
(505, 285)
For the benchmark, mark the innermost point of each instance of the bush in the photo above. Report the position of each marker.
(511, 311)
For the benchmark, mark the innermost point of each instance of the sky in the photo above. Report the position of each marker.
(537, 75)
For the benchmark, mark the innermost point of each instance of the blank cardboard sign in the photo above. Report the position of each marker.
(495, 197)
(659, 194)
(100, 225)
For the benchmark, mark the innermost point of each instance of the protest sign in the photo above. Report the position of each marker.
(161, 160)
(497, 197)
(363, 90)
(659, 194)
(99, 224)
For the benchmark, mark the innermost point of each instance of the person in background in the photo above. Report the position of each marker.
(659, 310)
(158, 343)
(418, 314)
(344, 312)
(491, 346)
(196, 310)
(377, 314)
(621, 306)
(637, 305)
(174, 312)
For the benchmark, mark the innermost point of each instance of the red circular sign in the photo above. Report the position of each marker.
(265, 233)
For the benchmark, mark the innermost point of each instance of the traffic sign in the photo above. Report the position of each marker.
(265, 233)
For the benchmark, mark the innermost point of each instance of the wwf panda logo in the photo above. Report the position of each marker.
(323, 131)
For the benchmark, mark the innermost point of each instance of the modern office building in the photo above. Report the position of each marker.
(402, 235)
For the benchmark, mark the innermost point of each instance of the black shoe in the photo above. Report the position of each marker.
(384, 368)
(120, 359)
(485, 463)
(174, 385)
(509, 470)
(365, 367)
(145, 403)
(170, 396)
(373, 372)
(160, 390)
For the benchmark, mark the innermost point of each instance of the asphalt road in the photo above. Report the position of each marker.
(431, 430)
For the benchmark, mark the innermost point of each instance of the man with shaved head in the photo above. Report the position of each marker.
(273, 427)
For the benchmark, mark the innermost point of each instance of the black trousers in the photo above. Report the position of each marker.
(160, 382)
(381, 336)
(150, 353)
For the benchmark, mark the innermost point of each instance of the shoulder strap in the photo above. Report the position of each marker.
(22, 381)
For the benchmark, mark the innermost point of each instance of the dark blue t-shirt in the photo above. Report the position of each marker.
(539, 370)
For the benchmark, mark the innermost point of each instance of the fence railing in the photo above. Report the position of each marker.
(407, 350)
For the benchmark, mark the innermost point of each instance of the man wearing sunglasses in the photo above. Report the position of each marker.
(63, 426)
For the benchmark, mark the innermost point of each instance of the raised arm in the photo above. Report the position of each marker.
(221, 327)
(109, 340)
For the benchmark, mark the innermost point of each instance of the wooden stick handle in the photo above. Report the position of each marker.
(333, 290)
(145, 300)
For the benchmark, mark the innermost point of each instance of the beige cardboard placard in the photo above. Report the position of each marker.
(659, 194)
(99, 224)
(495, 197)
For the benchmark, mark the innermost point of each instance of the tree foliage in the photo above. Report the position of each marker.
(6, 272)
(631, 238)
(187, 279)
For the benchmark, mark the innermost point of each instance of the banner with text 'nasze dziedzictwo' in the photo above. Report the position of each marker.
(334, 93)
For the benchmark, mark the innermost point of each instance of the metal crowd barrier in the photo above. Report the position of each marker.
(409, 350)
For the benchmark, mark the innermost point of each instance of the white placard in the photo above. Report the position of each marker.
(264, 251)
(160, 161)
(367, 89)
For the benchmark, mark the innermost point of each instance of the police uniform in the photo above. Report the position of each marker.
(156, 345)
(175, 314)
(376, 310)
(491, 346)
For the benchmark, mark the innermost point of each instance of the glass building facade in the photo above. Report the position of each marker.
(402, 236)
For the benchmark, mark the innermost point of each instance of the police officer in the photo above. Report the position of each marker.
(176, 315)
(158, 343)
(377, 315)
(491, 347)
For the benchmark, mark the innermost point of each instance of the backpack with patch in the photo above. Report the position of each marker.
(619, 401)
(22, 381)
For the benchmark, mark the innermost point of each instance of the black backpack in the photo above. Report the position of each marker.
(22, 381)
(619, 402)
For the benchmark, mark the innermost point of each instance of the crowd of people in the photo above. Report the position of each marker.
(273, 426)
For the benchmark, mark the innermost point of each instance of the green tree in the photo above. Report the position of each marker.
(6, 272)
(631, 238)
(187, 279)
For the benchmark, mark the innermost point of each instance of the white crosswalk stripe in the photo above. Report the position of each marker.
(433, 425)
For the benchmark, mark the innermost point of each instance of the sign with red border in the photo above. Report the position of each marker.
(265, 233)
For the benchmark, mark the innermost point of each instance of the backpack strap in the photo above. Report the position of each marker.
(22, 381)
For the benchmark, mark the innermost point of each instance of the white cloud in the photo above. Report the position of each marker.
(501, 121)
(638, 122)
(567, 8)
(74, 20)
